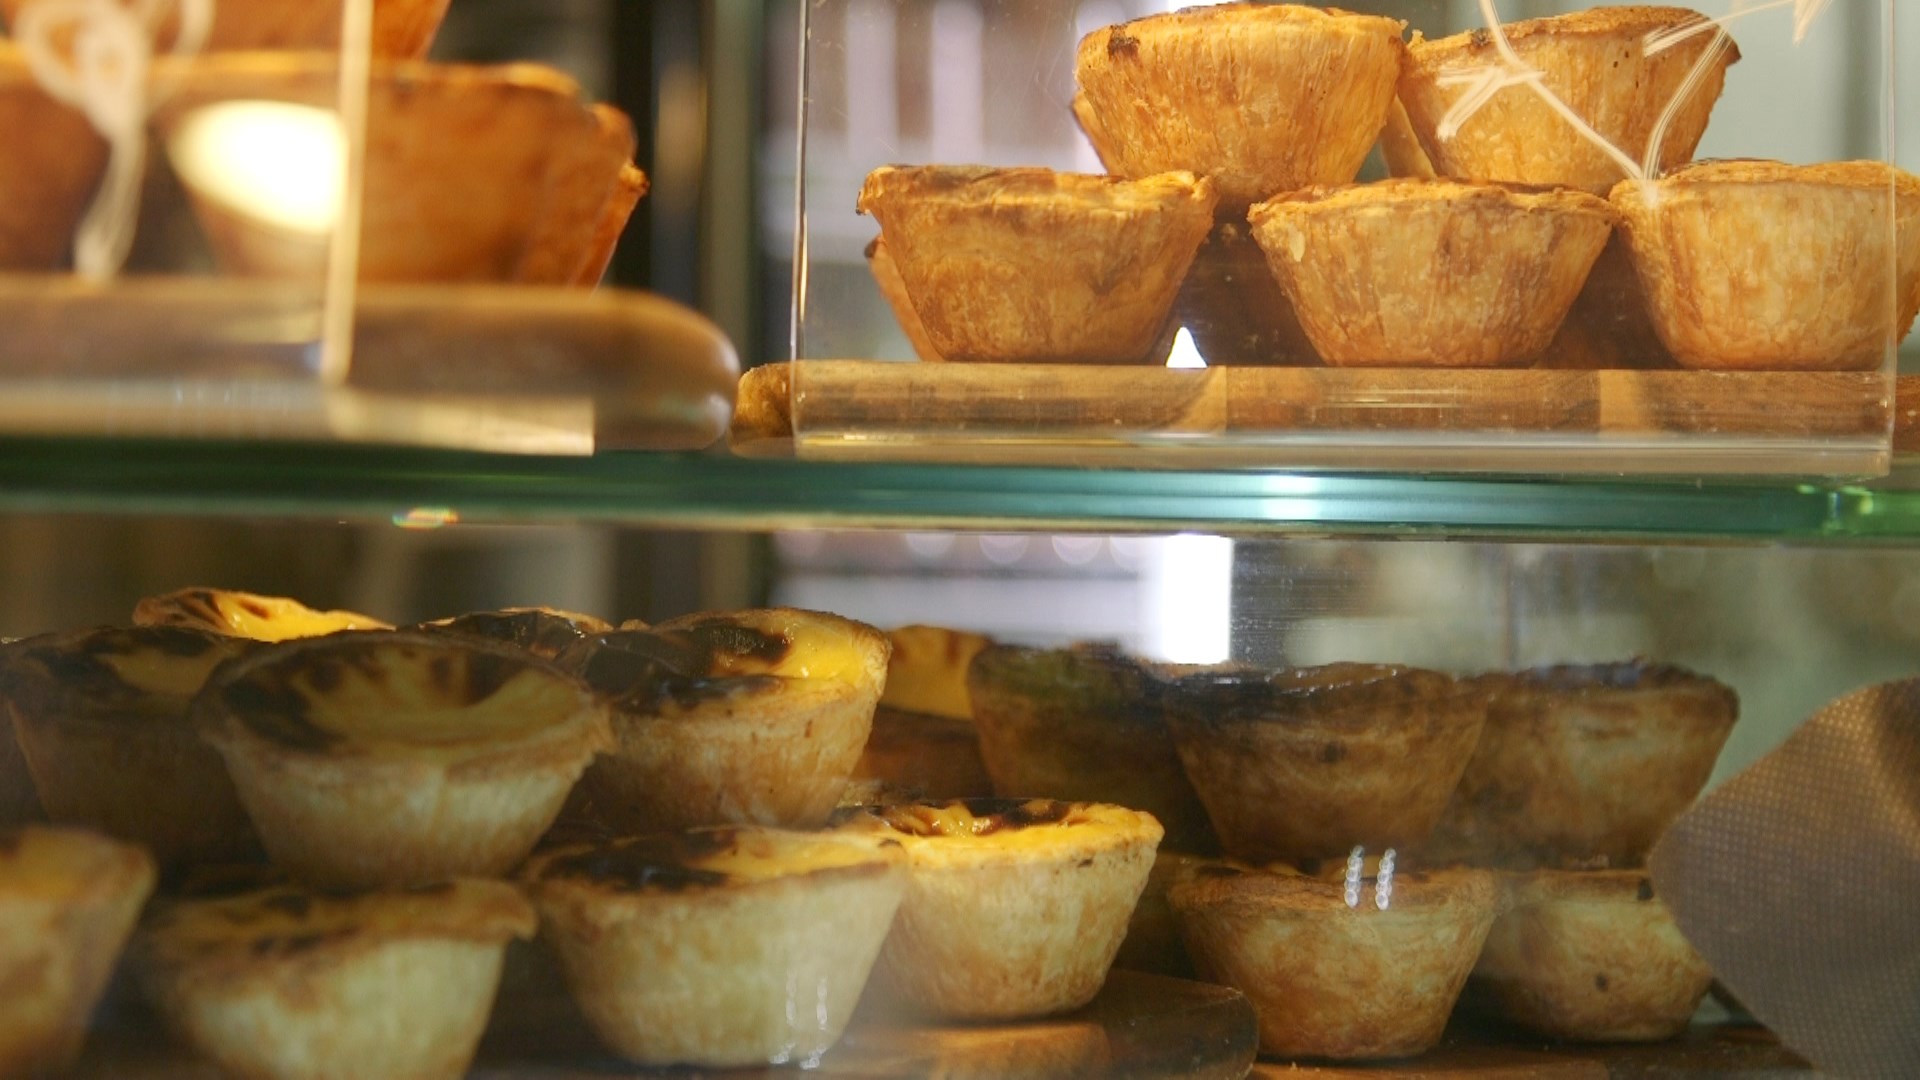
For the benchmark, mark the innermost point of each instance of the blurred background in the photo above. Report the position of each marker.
(715, 87)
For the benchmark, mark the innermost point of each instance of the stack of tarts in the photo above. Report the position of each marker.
(345, 818)
(546, 180)
(1510, 236)
(1396, 840)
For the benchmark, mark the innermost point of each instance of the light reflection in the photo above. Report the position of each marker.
(268, 162)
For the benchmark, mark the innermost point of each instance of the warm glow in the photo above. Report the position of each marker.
(269, 162)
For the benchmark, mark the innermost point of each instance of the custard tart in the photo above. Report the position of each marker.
(923, 737)
(246, 615)
(1306, 763)
(719, 947)
(1596, 62)
(1008, 265)
(55, 159)
(1262, 98)
(1431, 273)
(544, 632)
(1590, 956)
(1354, 972)
(1088, 723)
(750, 717)
(102, 720)
(390, 758)
(1013, 909)
(1585, 762)
(1756, 265)
(294, 984)
(68, 900)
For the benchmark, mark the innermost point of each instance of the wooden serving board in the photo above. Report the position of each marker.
(1505, 420)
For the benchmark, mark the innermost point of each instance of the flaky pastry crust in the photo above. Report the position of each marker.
(1584, 762)
(1593, 60)
(686, 948)
(293, 983)
(1591, 956)
(1332, 981)
(1431, 273)
(68, 901)
(1085, 722)
(102, 720)
(1306, 763)
(1262, 98)
(893, 288)
(1756, 265)
(1032, 265)
(1014, 908)
(393, 758)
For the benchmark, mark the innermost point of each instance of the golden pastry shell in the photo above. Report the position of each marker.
(55, 159)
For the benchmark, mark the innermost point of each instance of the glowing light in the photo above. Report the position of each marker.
(269, 162)
(1185, 353)
(426, 518)
(1188, 586)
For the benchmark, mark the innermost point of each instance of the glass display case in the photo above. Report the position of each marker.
(311, 868)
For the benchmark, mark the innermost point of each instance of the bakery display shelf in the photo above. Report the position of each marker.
(1140, 1025)
(718, 490)
(498, 368)
(1534, 420)
(1470, 1052)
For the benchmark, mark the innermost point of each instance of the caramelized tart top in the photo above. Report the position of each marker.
(246, 615)
(128, 673)
(714, 858)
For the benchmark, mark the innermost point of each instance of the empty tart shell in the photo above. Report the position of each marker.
(389, 758)
(1307, 763)
(544, 632)
(55, 160)
(1013, 909)
(923, 737)
(1585, 762)
(1262, 98)
(1590, 956)
(534, 167)
(893, 288)
(1329, 980)
(719, 947)
(1431, 273)
(401, 28)
(301, 985)
(1086, 723)
(1756, 265)
(68, 901)
(102, 717)
(1595, 61)
(1032, 265)
(751, 717)
(246, 615)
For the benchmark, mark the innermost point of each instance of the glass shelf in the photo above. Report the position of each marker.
(715, 490)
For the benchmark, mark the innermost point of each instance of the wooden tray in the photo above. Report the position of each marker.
(1506, 421)
(1473, 1053)
(477, 367)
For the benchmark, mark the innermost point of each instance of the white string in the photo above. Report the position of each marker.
(102, 71)
(1804, 14)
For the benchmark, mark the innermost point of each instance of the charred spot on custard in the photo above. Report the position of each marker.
(721, 636)
(642, 671)
(541, 633)
(277, 712)
(648, 862)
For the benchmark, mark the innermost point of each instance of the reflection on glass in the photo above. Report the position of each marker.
(267, 163)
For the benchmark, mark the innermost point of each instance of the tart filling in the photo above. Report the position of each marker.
(1016, 265)
(68, 901)
(1014, 908)
(289, 982)
(544, 632)
(1359, 974)
(1756, 265)
(1262, 98)
(748, 717)
(245, 615)
(1596, 62)
(1085, 723)
(1305, 763)
(397, 758)
(1590, 955)
(719, 947)
(1431, 273)
(101, 718)
(1584, 762)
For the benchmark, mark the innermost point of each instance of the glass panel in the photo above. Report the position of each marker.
(1328, 346)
